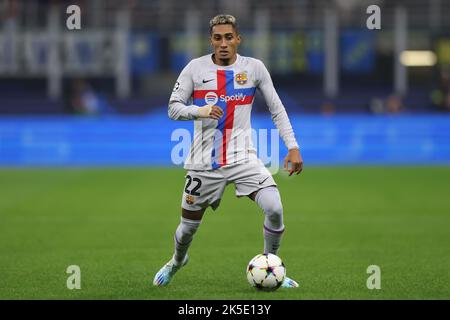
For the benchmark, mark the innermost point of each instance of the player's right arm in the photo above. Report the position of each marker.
(180, 103)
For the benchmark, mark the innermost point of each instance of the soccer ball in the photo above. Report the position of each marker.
(266, 272)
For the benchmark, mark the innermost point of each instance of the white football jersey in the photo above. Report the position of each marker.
(229, 140)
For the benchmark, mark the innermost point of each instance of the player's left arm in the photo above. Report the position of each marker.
(293, 161)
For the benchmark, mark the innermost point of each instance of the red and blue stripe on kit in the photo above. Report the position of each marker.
(225, 87)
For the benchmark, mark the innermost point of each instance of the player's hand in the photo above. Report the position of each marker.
(212, 112)
(295, 158)
(216, 113)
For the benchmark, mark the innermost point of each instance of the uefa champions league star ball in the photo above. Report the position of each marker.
(266, 272)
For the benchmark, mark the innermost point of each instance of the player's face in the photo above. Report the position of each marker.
(225, 41)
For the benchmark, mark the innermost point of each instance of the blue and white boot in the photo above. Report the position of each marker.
(166, 273)
(289, 283)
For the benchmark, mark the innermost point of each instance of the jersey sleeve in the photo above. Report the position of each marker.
(180, 102)
(276, 108)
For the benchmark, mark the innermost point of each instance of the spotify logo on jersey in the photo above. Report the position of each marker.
(211, 98)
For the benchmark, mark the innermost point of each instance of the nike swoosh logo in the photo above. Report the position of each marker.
(205, 81)
(261, 182)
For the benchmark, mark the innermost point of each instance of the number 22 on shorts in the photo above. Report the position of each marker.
(194, 190)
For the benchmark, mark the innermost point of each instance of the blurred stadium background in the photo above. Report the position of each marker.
(368, 121)
(351, 97)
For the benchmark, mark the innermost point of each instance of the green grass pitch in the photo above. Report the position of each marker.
(118, 225)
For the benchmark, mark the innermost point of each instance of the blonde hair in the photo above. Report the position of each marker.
(223, 19)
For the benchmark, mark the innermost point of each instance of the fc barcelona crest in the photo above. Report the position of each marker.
(189, 199)
(241, 78)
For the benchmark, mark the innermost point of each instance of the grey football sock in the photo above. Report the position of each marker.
(183, 238)
(272, 240)
(269, 200)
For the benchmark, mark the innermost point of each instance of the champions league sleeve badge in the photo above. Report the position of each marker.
(176, 87)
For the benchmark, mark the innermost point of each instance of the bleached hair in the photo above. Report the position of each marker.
(223, 19)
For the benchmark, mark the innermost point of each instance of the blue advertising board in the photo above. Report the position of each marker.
(148, 140)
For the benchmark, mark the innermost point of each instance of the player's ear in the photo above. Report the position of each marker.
(238, 39)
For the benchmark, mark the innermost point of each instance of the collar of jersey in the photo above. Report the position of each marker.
(231, 66)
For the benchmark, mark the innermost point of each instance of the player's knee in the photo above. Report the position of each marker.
(276, 208)
(270, 202)
(186, 230)
(185, 237)
(274, 212)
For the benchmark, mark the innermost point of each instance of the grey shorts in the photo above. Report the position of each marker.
(205, 188)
